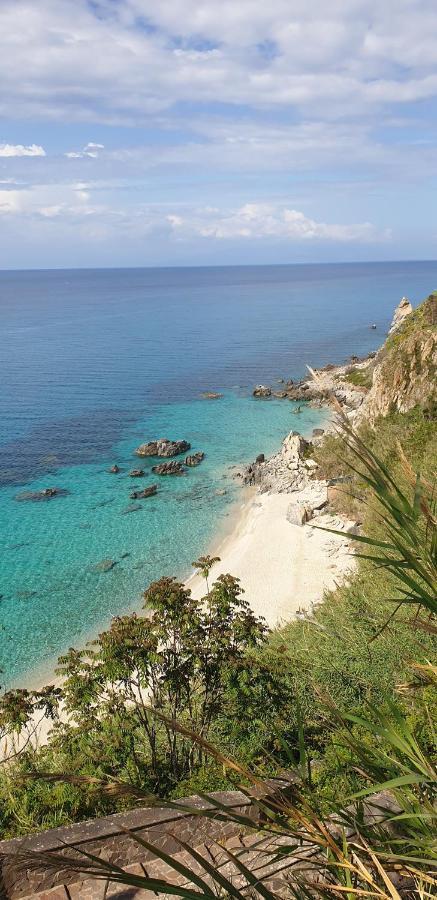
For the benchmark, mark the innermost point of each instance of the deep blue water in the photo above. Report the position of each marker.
(94, 362)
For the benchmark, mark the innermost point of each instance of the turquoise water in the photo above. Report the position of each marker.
(94, 363)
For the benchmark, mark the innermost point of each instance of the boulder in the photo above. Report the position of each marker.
(311, 465)
(293, 449)
(149, 449)
(299, 514)
(260, 458)
(136, 473)
(317, 432)
(402, 310)
(163, 447)
(194, 459)
(144, 493)
(280, 395)
(170, 468)
(114, 470)
(262, 391)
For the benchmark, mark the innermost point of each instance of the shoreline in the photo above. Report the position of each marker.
(257, 544)
(284, 564)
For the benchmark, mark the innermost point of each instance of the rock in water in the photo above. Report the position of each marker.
(146, 492)
(149, 449)
(262, 391)
(403, 310)
(195, 458)
(136, 473)
(211, 395)
(105, 565)
(171, 468)
(45, 494)
(133, 507)
(114, 470)
(163, 447)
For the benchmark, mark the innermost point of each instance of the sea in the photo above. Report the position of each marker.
(94, 363)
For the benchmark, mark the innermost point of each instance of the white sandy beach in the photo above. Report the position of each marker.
(283, 568)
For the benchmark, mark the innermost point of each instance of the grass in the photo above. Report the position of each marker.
(359, 377)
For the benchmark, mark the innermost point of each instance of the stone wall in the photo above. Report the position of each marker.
(107, 839)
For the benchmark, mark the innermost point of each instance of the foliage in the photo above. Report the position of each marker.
(358, 377)
(177, 660)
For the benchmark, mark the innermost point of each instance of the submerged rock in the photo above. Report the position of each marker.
(136, 473)
(133, 507)
(105, 565)
(195, 458)
(211, 395)
(171, 468)
(45, 494)
(146, 492)
(25, 595)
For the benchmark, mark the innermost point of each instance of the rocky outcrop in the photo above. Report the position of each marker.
(262, 391)
(194, 459)
(163, 447)
(403, 310)
(170, 468)
(405, 368)
(144, 493)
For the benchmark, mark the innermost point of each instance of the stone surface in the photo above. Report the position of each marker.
(170, 468)
(144, 492)
(402, 310)
(163, 447)
(262, 391)
(194, 459)
(299, 514)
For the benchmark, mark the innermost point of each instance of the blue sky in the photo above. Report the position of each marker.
(202, 132)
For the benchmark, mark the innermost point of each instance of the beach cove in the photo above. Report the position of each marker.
(143, 347)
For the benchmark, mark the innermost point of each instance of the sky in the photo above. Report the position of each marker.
(198, 132)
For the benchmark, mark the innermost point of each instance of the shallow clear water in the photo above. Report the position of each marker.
(92, 363)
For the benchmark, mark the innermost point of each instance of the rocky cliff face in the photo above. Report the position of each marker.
(405, 368)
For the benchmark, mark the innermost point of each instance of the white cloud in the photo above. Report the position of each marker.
(91, 150)
(254, 221)
(121, 62)
(21, 150)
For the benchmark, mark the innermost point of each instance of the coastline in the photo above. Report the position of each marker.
(274, 542)
(260, 546)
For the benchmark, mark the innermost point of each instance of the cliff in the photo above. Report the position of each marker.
(404, 369)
